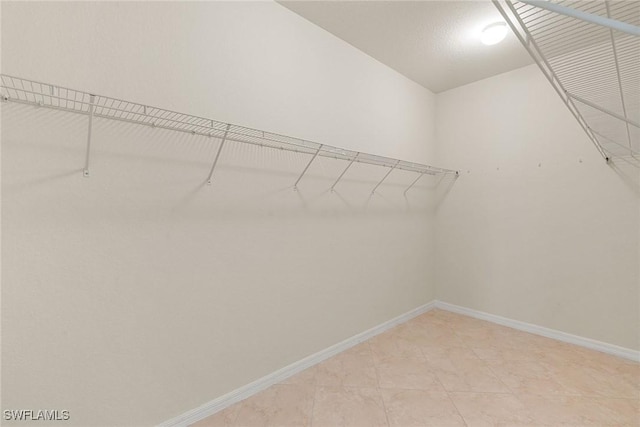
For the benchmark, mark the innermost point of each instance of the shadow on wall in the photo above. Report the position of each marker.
(442, 187)
(629, 172)
(132, 165)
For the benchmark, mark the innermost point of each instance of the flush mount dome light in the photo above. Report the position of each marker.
(494, 33)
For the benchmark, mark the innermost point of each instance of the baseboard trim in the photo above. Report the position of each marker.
(248, 390)
(545, 332)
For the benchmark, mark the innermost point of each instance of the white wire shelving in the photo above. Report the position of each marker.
(590, 52)
(20, 90)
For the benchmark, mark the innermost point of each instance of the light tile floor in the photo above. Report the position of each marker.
(443, 369)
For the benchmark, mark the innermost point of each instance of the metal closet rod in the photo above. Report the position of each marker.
(31, 92)
(589, 17)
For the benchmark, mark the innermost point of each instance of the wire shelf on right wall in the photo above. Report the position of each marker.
(590, 52)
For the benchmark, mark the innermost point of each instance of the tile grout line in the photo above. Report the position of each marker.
(465, 344)
(235, 419)
(468, 391)
(464, 420)
(511, 391)
(506, 386)
(313, 404)
(375, 369)
(491, 368)
(445, 389)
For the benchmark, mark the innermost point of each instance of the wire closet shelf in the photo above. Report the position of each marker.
(590, 52)
(16, 89)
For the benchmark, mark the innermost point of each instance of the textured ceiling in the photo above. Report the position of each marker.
(434, 43)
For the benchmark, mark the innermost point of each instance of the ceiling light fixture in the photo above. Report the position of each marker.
(494, 33)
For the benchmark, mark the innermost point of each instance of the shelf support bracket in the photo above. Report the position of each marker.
(345, 170)
(295, 186)
(414, 182)
(602, 109)
(615, 57)
(616, 143)
(385, 177)
(85, 170)
(215, 160)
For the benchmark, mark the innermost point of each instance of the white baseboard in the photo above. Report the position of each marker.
(248, 390)
(545, 332)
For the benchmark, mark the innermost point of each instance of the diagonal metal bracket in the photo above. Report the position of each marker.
(215, 161)
(617, 62)
(414, 182)
(616, 143)
(385, 177)
(295, 186)
(345, 170)
(602, 109)
(534, 50)
(85, 170)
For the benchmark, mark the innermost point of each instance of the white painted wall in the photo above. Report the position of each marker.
(137, 294)
(538, 227)
(251, 63)
(186, 292)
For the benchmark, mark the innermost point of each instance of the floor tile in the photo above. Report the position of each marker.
(281, 405)
(407, 374)
(447, 350)
(409, 408)
(491, 409)
(529, 377)
(467, 375)
(595, 382)
(444, 369)
(351, 368)
(582, 411)
(528, 349)
(348, 407)
(390, 345)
